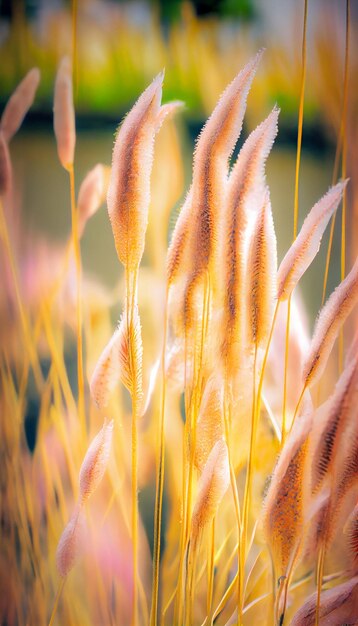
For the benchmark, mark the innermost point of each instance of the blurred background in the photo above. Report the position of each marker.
(121, 46)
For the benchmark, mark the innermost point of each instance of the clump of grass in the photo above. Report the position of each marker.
(231, 554)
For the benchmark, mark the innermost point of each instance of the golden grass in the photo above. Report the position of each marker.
(193, 354)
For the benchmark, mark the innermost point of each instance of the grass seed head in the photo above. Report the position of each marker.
(95, 462)
(64, 114)
(308, 241)
(19, 103)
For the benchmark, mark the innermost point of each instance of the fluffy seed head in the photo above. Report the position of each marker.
(246, 189)
(209, 427)
(92, 194)
(64, 114)
(212, 486)
(128, 195)
(286, 502)
(337, 606)
(262, 269)
(95, 462)
(308, 241)
(19, 103)
(328, 429)
(5, 165)
(328, 324)
(70, 544)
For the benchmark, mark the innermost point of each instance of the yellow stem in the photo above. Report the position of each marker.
(159, 480)
(77, 253)
(131, 303)
(295, 206)
(25, 324)
(57, 599)
(247, 493)
(287, 343)
(320, 568)
(211, 556)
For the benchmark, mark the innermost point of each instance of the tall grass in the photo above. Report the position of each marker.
(173, 423)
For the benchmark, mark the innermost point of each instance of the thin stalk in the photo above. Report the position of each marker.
(78, 264)
(296, 200)
(196, 398)
(31, 349)
(57, 599)
(342, 141)
(298, 405)
(227, 422)
(211, 556)
(131, 301)
(264, 361)
(247, 493)
(159, 480)
(320, 568)
(74, 45)
(284, 402)
(190, 578)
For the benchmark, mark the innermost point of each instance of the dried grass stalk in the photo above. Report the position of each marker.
(64, 114)
(328, 324)
(19, 103)
(337, 606)
(95, 462)
(308, 241)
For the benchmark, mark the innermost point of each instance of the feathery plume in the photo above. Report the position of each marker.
(95, 462)
(262, 270)
(346, 473)
(19, 103)
(245, 189)
(177, 255)
(327, 431)
(210, 425)
(64, 114)
(70, 544)
(106, 374)
(337, 606)
(352, 531)
(212, 486)
(5, 165)
(114, 364)
(92, 194)
(285, 505)
(308, 241)
(129, 188)
(329, 321)
(210, 170)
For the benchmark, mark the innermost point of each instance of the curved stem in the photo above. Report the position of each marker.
(78, 263)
